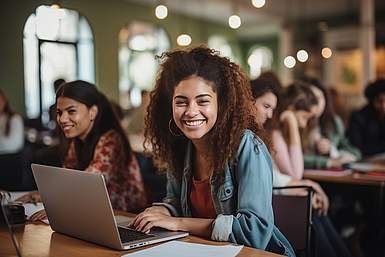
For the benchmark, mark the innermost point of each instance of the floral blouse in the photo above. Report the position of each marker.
(124, 182)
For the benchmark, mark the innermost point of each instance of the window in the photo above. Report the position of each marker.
(260, 59)
(58, 43)
(140, 43)
(220, 44)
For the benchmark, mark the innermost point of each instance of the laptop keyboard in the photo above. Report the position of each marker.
(129, 235)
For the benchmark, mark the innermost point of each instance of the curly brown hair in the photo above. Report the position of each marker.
(234, 105)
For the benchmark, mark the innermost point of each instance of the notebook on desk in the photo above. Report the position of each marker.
(367, 167)
(77, 204)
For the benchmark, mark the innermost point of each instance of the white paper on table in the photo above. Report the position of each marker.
(31, 208)
(16, 195)
(178, 248)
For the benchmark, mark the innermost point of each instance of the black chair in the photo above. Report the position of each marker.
(15, 171)
(12, 171)
(293, 217)
(154, 183)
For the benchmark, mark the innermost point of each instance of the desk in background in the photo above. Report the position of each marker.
(357, 182)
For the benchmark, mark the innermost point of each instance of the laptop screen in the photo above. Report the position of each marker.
(11, 246)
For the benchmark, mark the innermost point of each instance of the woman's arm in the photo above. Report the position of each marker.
(289, 159)
(253, 222)
(343, 143)
(315, 161)
(166, 214)
(152, 217)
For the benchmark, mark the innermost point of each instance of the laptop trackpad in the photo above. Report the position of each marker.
(123, 221)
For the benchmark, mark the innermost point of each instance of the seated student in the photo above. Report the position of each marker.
(266, 94)
(97, 143)
(11, 128)
(366, 129)
(324, 141)
(298, 105)
(202, 131)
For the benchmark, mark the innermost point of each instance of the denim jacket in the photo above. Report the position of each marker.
(241, 195)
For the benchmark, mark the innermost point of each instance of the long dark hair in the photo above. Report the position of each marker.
(267, 82)
(299, 96)
(235, 107)
(8, 113)
(105, 120)
(262, 85)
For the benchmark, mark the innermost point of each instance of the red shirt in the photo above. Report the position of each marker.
(201, 202)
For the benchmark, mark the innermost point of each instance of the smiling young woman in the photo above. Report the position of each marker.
(97, 143)
(202, 130)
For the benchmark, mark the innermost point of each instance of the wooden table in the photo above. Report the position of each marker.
(38, 240)
(353, 179)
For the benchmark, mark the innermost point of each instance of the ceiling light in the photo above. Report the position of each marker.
(161, 12)
(258, 3)
(326, 52)
(183, 40)
(289, 61)
(55, 6)
(234, 21)
(302, 55)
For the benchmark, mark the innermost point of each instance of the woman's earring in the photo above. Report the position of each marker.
(172, 132)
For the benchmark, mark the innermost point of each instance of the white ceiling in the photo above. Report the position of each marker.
(265, 20)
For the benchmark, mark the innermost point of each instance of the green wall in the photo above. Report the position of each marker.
(106, 19)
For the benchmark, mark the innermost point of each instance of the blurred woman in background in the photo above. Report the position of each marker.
(297, 107)
(324, 141)
(11, 128)
(328, 242)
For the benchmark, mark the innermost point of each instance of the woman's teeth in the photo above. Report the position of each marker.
(194, 122)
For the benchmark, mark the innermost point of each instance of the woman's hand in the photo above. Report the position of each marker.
(323, 146)
(40, 215)
(338, 162)
(32, 197)
(156, 216)
(320, 199)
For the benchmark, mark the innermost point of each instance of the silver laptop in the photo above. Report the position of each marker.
(77, 204)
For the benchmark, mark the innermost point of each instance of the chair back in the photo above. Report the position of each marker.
(293, 217)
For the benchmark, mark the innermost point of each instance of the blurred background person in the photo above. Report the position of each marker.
(297, 107)
(266, 95)
(366, 128)
(324, 141)
(133, 123)
(11, 128)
